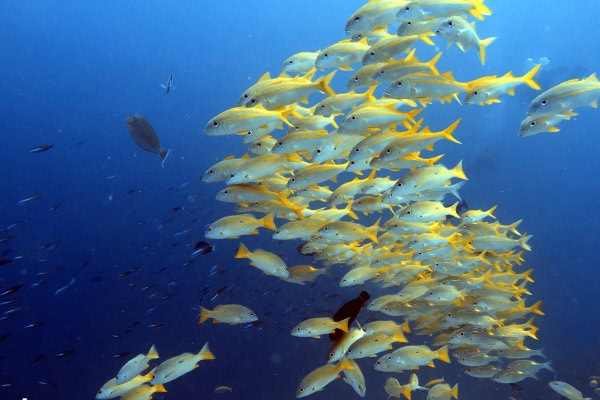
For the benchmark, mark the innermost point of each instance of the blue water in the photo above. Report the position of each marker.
(72, 72)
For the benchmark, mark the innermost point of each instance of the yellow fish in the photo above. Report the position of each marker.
(315, 327)
(234, 226)
(231, 314)
(457, 29)
(143, 392)
(269, 263)
(135, 366)
(487, 89)
(300, 63)
(177, 366)
(243, 119)
(566, 96)
(321, 377)
(111, 389)
(341, 54)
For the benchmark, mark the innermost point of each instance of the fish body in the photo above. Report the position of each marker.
(566, 96)
(373, 14)
(228, 313)
(424, 9)
(355, 378)
(143, 392)
(144, 135)
(111, 389)
(135, 366)
(243, 119)
(391, 45)
(40, 149)
(566, 390)
(269, 263)
(487, 89)
(168, 85)
(177, 366)
(234, 226)
(300, 63)
(315, 327)
(319, 378)
(457, 29)
(426, 87)
(341, 54)
(289, 91)
(442, 391)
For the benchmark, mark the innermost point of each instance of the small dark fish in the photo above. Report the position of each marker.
(129, 272)
(132, 191)
(33, 325)
(202, 248)
(40, 148)
(38, 358)
(11, 290)
(5, 385)
(516, 387)
(54, 206)
(349, 310)
(64, 354)
(28, 200)
(145, 137)
(3, 338)
(47, 384)
(157, 325)
(5, 239)
(78, 144)
(169, 85)
(4, 261)
(121, 355)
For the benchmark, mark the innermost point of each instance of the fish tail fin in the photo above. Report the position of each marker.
(204, 314)
(536, 308)
(205, 353)
(369, 93)
(482, 45)
(373, 230)
(479, 10)
(324, 83)
(152, 353)
(452, 210)
(399, 337)
(523, 242)
(268, 222)
(490, 212)
(431, 63)
(343, 325)
(449, 130)
(149, 375)
(349, 210)
(528, 77)
(345, 364)
(242, 252)
(459, 172)
(454, 392)
(159, 389)
(164, 153)
(443, 354)
(406, 390)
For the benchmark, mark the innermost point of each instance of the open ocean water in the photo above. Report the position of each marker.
(103, 250)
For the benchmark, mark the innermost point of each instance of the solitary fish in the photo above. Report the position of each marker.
(40, 148)
(145, 137)
(169, 85)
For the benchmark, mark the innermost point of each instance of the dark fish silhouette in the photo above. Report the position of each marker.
(349, 310)
(202, 248)
(40, 148)
(145, 137)
(169, 85)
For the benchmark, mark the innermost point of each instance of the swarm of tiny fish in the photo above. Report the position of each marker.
(354, 177)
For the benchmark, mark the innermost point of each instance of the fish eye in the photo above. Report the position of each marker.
(353, 117)
(399, 184)
(357, 18)
(249, 133)
(325, 54)
(291, 61)
(388, 151)
(280, 143)
(318, 151)
(475, 92)
(450, 23)
(533, 123)
(372, 53)
(399, 83)
(215, 123)
(357, 149)
(409, 22)
(408, 212)
(544, 102)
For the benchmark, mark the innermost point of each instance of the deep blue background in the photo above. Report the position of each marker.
(72, 71)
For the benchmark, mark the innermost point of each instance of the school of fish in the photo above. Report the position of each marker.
(353, 176)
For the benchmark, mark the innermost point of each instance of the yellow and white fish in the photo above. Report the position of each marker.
(231, 314)
(566, 390)
(300, 63)
(234, 226)
(319, 378)
(315, 327)
(135, 366)
(269, 263)
(487, 89)
(566, 96)
(177, 366)
(111, 389)
(457, 29)
(443, 391)
(143, 392)
(243, 119)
